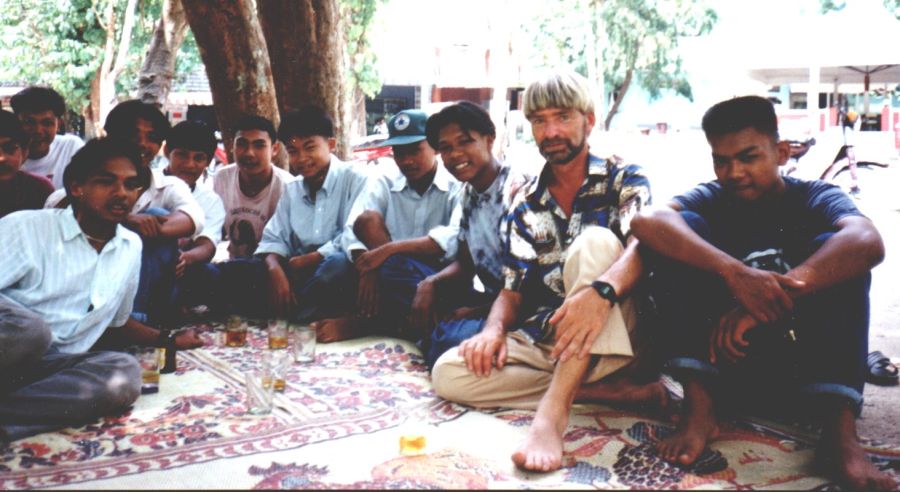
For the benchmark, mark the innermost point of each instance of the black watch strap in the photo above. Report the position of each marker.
(166, 338)
(605, 290)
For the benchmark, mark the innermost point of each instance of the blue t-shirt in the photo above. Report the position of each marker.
(788, 223)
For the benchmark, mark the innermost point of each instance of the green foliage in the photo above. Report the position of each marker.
(358, 15)
(641, 35)
(892, 6)
(61, 44)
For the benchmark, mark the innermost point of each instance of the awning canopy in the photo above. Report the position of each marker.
(844, 46)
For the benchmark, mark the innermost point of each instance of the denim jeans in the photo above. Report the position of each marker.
(326, 292)
(42, 389)
(238, 286)
(156, 287)
(831, 327)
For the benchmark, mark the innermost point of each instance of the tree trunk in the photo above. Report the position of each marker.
(235, 56)
(158, 71)
(294, 28)
(629, 74)
(357, 113)
(115, 56)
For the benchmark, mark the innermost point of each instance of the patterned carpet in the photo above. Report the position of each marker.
(338, 423)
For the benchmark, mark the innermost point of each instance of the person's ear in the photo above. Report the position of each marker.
(332, 144)
(783, 151)
(276, 147)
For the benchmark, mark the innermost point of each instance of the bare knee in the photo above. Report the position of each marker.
(370, 228)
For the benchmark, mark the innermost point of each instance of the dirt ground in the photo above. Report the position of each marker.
(880, 200)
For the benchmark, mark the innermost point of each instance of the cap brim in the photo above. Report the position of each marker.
(398, 140)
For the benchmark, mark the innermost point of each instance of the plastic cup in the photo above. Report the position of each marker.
(260, 391)
(304, 343)
(278, 334)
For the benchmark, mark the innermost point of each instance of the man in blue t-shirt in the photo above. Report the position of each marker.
(762, 283)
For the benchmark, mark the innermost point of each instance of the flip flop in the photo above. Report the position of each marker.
(881, 371)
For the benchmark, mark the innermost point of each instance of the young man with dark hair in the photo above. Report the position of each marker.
(19, 190)
(402, 228)
(446, 306)
(72, 275)
(778, 308)
(564, 327)
(189, 150)
(250, 189)
(41, 109)
(162, 215)
(141, 123)
(310, 276)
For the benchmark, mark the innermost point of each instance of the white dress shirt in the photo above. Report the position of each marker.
(50, 268)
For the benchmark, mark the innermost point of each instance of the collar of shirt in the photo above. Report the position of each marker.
(537, 191)
(70, 228)
(333, 165)
(441, 181)
(492, 191)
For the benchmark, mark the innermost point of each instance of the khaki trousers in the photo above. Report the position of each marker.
(529, 369)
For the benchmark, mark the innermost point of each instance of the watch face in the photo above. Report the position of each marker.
(605, 290)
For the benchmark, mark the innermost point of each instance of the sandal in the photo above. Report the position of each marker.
(881, 371)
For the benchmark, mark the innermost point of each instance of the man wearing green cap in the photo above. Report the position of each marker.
(403, 227)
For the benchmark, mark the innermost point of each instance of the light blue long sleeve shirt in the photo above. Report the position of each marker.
(305, 222)
(408, 215)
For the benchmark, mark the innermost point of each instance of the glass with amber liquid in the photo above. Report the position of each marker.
(414, 433)
(235, 332)
(278, 334)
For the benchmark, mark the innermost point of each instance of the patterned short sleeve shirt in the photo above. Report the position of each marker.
(482, 224)
(540, 233)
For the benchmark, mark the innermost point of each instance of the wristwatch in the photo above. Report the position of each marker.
(605, 290)
(166, 338)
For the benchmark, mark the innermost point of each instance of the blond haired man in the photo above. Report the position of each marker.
(569, 270)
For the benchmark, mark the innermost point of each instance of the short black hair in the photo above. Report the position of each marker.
(254, 122)
(11, 127)
(740, 113)
(306, 122)
(36, 99)
(469, 116)
(193, 135)
(90, 160)
(122, 119)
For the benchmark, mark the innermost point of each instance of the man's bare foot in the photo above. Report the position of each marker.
(542, 450)
(840, 454)
(696, 427)
(652, 396)
(336, 329)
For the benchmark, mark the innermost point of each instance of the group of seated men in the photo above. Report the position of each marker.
(758, 282)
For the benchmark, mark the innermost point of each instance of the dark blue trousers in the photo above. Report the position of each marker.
(399, 278)
(827, 360)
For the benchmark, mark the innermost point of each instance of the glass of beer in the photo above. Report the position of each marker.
(278, 334)
(148, 357)
(235, 332)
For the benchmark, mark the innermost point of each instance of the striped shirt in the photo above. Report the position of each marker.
(540, 233)
(303, 223)
(49, 267)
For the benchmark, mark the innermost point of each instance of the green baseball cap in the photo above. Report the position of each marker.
(405, 127)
